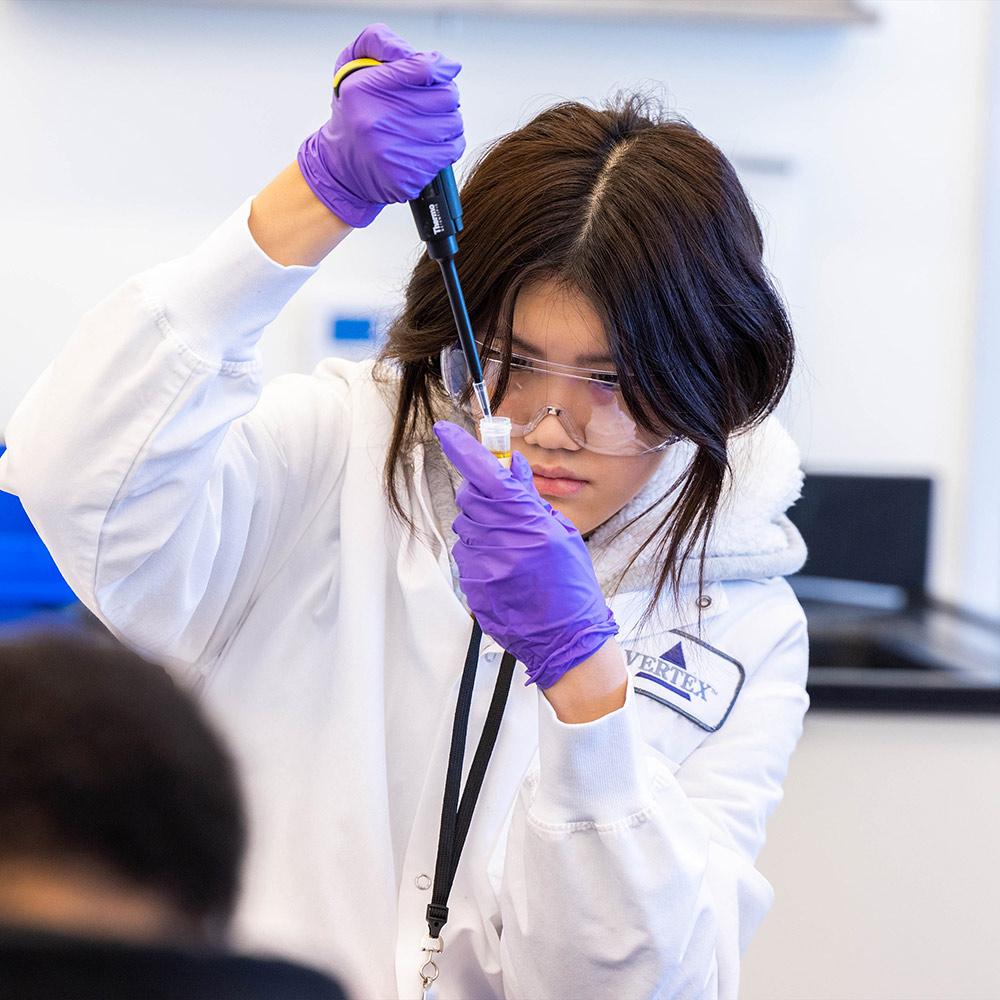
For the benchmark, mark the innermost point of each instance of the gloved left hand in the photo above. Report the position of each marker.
(524, 568)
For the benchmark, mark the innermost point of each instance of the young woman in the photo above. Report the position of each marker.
(293, 548)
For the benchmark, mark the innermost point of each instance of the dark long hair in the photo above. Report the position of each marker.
(641, 213)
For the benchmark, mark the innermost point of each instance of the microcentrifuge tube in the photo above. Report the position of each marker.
(494, 432)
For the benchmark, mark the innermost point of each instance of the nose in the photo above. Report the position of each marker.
(551, 435)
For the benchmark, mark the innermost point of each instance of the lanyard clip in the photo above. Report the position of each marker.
(437, 917)
(429, 970)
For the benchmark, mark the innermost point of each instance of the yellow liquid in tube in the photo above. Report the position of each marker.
(494, 432)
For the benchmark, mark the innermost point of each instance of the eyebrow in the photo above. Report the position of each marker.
(583, 360)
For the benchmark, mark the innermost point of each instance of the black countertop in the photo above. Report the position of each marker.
(932, 658)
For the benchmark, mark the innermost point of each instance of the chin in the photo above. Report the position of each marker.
(582, 520)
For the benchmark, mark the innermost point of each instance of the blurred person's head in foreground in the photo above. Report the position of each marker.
(121, 834)
(120, 812)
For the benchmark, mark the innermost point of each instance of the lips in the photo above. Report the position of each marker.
(556, 482)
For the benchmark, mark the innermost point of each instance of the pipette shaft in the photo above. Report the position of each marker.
(461, 315)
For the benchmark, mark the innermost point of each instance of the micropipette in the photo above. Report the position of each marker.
(438, 215)
(437, 211)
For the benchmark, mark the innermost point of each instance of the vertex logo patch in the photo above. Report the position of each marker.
(693, 678)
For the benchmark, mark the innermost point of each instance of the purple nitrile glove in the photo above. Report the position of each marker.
(524, 568)
(392, 128)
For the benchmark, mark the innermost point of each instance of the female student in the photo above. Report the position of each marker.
(292, 547)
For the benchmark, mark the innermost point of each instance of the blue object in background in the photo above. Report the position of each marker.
(351, 328)
(29, 580)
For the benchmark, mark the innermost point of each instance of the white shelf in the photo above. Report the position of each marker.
(786, 11)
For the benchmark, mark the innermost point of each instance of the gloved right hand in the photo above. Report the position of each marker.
(393, 127)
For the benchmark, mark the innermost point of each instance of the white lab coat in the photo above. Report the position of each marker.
(245, 538)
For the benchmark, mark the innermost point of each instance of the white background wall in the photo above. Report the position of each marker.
(131, 128)
(883, 862)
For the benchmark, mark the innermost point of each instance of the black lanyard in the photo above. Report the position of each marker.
(457, 816)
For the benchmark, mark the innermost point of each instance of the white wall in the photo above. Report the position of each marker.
(980, 578)
(883, 862)
(130, 129)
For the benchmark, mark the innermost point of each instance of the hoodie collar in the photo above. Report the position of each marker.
(752, 537)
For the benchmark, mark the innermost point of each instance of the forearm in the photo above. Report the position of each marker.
(592, 688)
(290, 224)
(113, 450)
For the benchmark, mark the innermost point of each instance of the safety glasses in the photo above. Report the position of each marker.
(587, 403)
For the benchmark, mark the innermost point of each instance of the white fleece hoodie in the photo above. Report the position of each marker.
(242, 534)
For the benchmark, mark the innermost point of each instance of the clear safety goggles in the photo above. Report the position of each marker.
(587, 403)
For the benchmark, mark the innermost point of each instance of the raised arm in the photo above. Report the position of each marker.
(156, 471)
(291, 225)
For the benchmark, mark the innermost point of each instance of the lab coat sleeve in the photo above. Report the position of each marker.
(624, 879)
(153, 469)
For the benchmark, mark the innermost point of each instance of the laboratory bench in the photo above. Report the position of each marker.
(931, 658)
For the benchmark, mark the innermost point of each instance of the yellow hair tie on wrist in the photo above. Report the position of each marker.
(348, 68)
